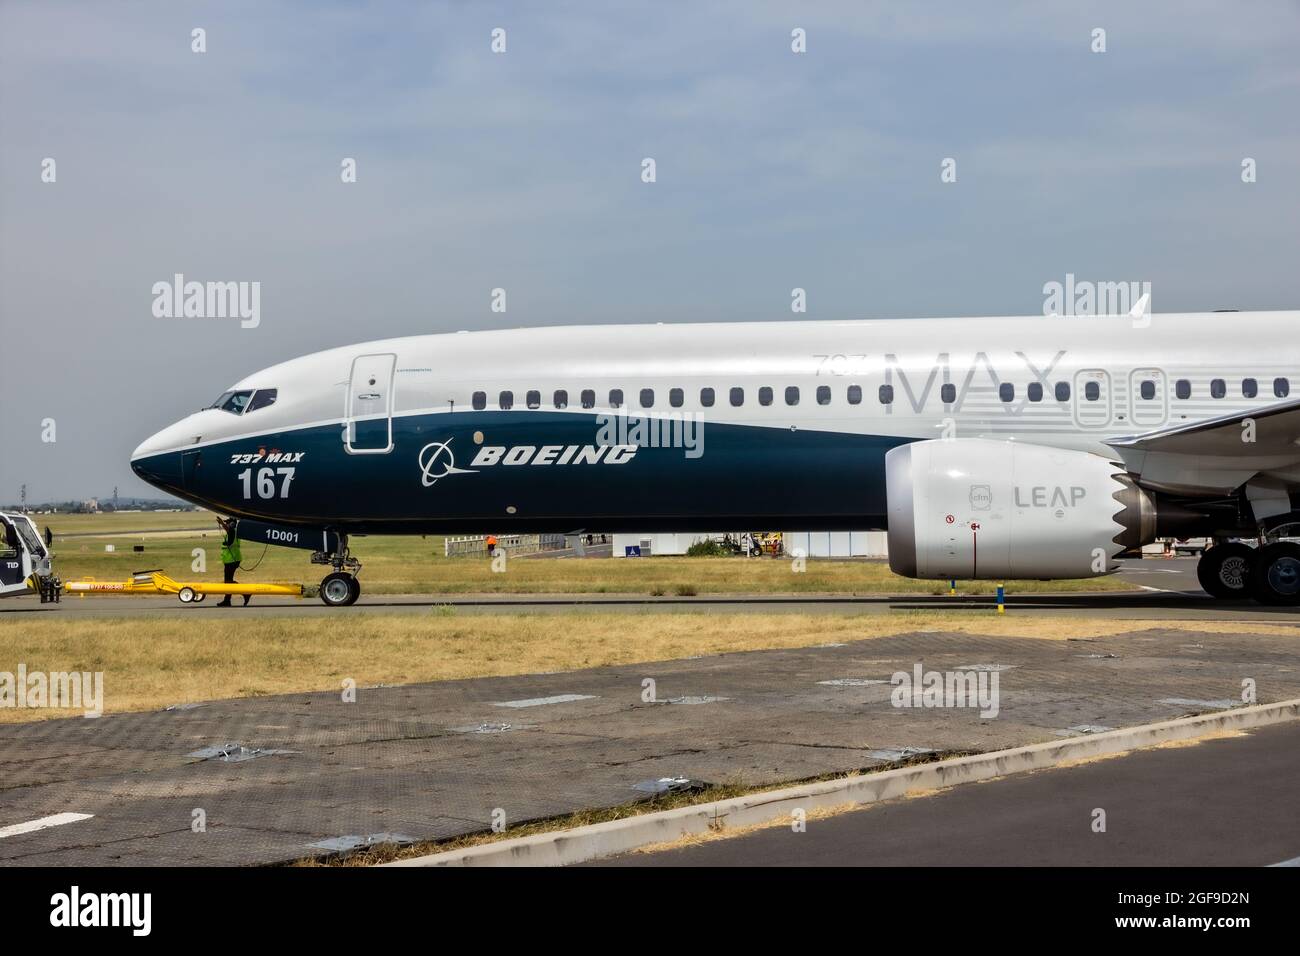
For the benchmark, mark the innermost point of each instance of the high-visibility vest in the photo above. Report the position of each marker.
(230, 552)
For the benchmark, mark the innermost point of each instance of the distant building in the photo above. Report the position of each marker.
(813, 544)
(646, 545)
(837, 544)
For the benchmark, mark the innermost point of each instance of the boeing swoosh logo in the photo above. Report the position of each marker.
(435, 454)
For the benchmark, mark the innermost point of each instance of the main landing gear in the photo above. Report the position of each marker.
(340, 587)
(1269, 573)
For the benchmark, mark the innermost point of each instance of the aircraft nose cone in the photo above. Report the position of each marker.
(161, 471)
(153, 464)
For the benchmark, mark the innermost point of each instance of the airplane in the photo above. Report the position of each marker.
(1040, 447)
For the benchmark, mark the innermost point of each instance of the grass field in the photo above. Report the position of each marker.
(149, 664)
(416, 565)
(114, 522)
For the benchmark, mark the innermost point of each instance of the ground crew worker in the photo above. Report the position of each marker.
(230, 557)
(492, 545)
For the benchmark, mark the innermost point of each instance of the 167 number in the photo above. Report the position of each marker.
(266, 484)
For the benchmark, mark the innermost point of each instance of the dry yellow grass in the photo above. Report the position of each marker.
(150, 663)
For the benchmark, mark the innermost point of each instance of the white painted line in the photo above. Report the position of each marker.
(539, 701)
(32, 825)
(1291, 862)
(703, 699)
(1224, 704)
(851, 682)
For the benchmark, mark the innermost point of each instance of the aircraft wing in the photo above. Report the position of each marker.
(1218, 455)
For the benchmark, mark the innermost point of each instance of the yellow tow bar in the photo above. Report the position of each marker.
(189, 592)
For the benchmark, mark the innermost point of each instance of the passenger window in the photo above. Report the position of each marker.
(1148, 391)
(1035, 391)
(647, 398)
(855, 394)
(479, 401)
(792, 394)
(1249, 388)
(823, 394)
(588, 398)
(948, 394)
(506, 401)
(261, 398)
(1281, 387)
(765, 395)
(737, 396)
(561, 398)
(1007, 392)
(1183, 388)
(615, 398)
(676, 397)
(534, 398)
(706, 397)
(1092, 391)
(1218, 388)
(886, 395)
(1062, 391)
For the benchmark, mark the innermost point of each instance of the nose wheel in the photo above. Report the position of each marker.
(339, 589)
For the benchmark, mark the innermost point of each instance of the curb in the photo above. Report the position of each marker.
(598, 840)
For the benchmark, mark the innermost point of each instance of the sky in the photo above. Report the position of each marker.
(522, 170)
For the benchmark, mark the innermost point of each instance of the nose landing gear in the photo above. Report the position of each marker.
(340, 587)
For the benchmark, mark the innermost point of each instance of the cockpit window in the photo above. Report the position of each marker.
(233, 402)
(261, 398)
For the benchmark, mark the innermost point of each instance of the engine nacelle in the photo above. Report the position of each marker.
(976, 508)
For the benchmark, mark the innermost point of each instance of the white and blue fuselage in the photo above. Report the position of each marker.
(692, 427)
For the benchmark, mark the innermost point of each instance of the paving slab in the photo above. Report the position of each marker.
(436, 760)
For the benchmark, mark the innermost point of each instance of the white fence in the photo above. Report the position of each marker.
(476, 544)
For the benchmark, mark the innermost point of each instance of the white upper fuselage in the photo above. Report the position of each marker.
(1104, 362)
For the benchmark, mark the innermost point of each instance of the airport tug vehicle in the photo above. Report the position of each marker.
(25, 560)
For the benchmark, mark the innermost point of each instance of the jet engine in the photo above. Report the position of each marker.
(977, 508)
